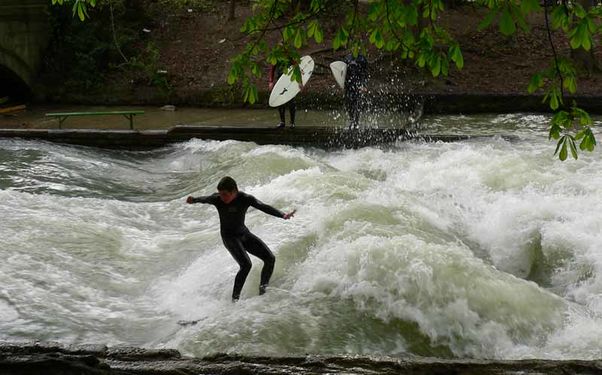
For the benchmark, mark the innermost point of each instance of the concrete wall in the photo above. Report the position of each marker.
(24, 34)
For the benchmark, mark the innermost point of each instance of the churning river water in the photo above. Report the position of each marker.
(485, 248)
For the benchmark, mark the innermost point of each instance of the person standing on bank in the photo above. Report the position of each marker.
(275, 72)
(232, 207)
(356, 80)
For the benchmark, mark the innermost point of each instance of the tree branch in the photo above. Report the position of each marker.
(554, 50)
(391, 26)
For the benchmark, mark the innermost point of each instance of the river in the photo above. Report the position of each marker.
(485, 248)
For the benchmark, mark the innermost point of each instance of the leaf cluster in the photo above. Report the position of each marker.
(79, 8)
(575, 119)
(410, 29)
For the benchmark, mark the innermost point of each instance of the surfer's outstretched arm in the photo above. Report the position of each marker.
(207, 199)
(254, 202)
(269, 209)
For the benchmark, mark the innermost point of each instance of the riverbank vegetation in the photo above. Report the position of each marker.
(183, 51)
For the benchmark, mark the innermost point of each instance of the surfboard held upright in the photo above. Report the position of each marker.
(287, 88)
(339, 71)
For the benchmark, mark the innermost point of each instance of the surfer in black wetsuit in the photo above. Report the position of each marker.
(275, 72)
(355, 86)
(232, 207)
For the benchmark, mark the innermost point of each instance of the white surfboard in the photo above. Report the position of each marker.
(286, 88)
(339, 71)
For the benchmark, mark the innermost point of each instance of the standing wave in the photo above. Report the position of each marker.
(480, 249)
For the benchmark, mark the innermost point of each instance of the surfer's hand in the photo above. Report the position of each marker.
(189, 200)
(271, 85)
(289, 215)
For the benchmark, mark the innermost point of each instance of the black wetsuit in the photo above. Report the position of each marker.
(239, 240)
(355, 81)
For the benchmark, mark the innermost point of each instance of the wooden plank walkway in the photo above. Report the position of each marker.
(309, 136)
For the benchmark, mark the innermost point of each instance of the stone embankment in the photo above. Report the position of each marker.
(56, 359)
(324, 137)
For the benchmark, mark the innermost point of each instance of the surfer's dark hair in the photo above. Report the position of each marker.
(227, 184)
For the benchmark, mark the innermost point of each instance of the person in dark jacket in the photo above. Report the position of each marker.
(232, 207)
(356, 80)
(275, 72)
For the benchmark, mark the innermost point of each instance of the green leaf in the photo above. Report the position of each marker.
(311, 29)
(573, 148)
(591, 25)
(288, 33)
(296, 73)
(81, 11)
(436, 66)
(560, 18)
(527, 6)
(507, 26)
(535, 83)
(336, 42)
(355, 50)
(316, 5)
(554, 103)
(580, 37)
(563, 151)
(587, 42)
(253, 96)
(589, 141)
(298, 43)
(584, 117)
(455, 54)
(318, 35)
(372, 37)
(487, 20)
(232, 77)
(555, 98)
(558, 144)
(560, 118)
(374, 11)
(421, 60)
(570, 84)
(379, 42)
(340, 40)
(444, 66)
(392, 45)
(411, 14)
(579, 11)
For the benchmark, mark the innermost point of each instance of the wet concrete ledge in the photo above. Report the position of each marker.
(57, 359)
(324, 137)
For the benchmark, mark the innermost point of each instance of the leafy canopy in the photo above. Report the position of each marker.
(410, 30)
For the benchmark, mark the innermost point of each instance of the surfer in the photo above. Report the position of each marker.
(355, 86)
(232, 207)
(275, 72)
